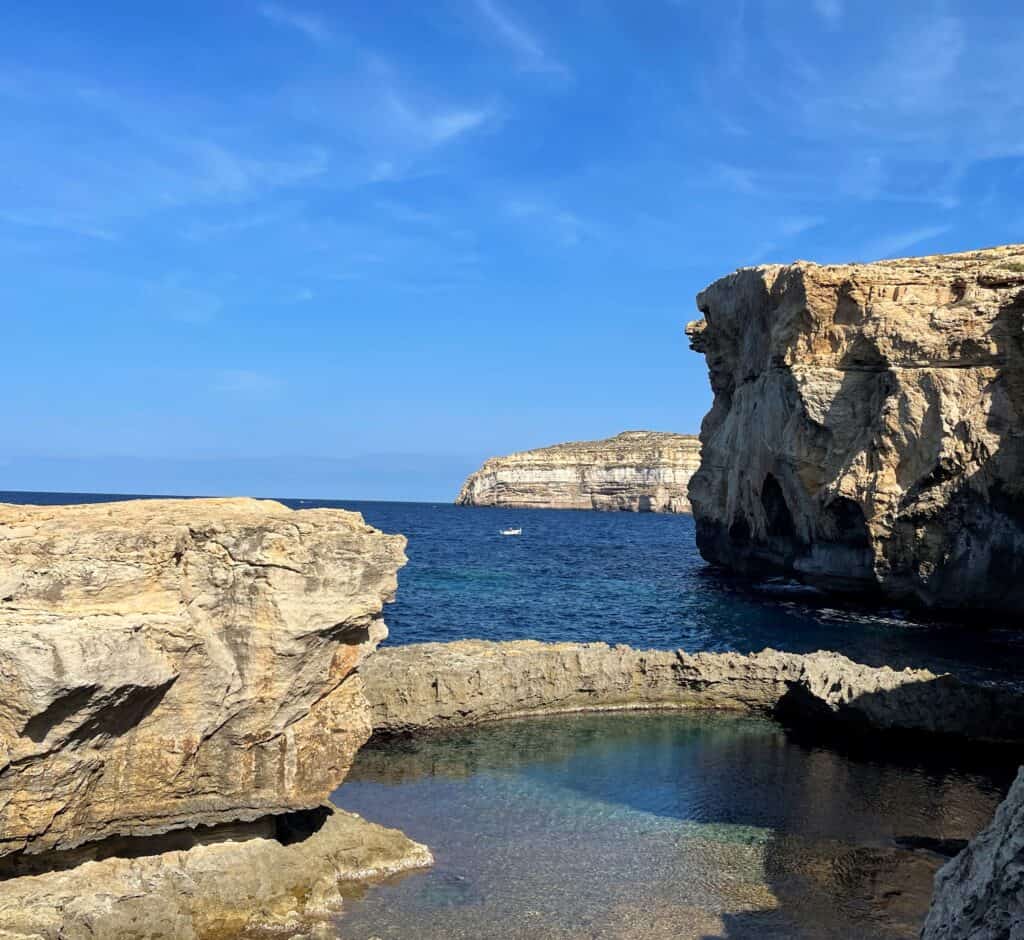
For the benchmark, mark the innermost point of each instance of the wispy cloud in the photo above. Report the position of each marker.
(247, 383)
(526, 45)
(56, 220)
(797, 225)
(831, 11)
(890, 246)
(174, 297)
(311, 26)
(438, 127)
(566, 227)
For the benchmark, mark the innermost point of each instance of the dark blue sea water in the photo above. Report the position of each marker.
(630, 578)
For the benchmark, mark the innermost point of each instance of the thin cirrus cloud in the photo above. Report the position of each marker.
(527, 47)
(831, 11)
(897, 243)
(310, 26)
(247, 384)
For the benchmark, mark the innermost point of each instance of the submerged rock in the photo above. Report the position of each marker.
(979, 894)
(450, 685)
(867, 431)
(637, 471)
(180, 663)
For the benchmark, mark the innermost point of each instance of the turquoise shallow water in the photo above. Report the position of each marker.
(656, 825)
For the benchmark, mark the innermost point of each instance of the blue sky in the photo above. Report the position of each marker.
(447, 229)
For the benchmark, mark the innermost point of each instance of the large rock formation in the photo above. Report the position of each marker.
(979, 894)
(867, 431)
(638, 471)
(449, 685)
(177, 663)
(278, 877)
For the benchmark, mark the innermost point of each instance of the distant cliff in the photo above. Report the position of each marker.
(867, 431)
(635, 471)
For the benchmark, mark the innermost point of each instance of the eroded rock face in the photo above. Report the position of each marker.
(450, 685)
(867, 431)
(176, 663)
(979, 894)
(637, 471)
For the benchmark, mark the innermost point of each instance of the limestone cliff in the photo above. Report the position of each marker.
(867, 431)
(637, 471)
(177, 663)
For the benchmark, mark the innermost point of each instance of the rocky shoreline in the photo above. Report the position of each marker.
(179, 695)
(635, 471)
(185, 681)
(438, 686)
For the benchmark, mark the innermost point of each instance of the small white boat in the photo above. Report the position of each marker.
(518, 531)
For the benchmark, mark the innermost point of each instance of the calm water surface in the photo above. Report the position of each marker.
(655, 826)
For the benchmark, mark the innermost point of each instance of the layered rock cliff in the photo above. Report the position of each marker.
(168, 663)
(637, 471)
(867, 431)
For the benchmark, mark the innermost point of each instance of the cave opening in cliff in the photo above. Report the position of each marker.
(778, 518)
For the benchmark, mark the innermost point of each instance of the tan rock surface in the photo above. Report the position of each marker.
(637, 471)
(867, 430)
(449, 685)
(244, 882)
(172, 663)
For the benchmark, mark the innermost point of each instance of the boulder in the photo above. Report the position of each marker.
(180, 663)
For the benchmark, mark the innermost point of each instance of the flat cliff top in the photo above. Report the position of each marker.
(1003, 262)
(629, 447)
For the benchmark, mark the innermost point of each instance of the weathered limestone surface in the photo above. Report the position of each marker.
(176, 663)
(867, 430)
(979, 894)
(447, 685)
(241, 881)
(638, 471)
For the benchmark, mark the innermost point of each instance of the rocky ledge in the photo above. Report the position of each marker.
(434, 686)
(867, 431)
(637, 471)
(179, 666)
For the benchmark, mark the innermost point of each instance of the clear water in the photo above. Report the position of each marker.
(648, 826)
(655, 826)
(633, 578)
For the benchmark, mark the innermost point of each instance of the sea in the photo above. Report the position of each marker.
(651, 825)
(633, 578)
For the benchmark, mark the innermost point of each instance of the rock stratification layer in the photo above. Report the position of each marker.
(637, 471)
(180, 663)
(434, 686)
(867, 430)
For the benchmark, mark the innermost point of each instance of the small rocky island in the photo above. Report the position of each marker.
(635, 471)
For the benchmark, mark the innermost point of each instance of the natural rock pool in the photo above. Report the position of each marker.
(651, 825)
